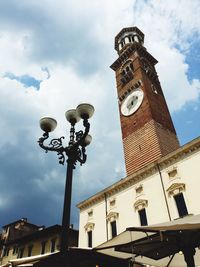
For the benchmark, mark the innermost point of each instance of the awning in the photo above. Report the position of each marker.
(158, 245)
(81, 257)
(73, 257)
(27, 261)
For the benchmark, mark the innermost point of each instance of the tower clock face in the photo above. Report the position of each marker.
(132, 102)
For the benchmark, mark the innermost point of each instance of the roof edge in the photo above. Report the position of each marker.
(186, 149)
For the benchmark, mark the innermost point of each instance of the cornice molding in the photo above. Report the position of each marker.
(163, 163)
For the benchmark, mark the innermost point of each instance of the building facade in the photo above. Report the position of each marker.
(22, 239)
(162, 177)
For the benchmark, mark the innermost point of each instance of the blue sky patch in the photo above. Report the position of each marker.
(25, 79)
(193, 60)
(186, 122)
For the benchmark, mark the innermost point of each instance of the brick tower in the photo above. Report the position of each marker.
(147, 129)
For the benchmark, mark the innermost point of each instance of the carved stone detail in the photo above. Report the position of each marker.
(112, 216)
(89, 226)
(176, 189)
(140, 204)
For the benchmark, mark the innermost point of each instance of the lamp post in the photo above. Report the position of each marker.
(73, 153)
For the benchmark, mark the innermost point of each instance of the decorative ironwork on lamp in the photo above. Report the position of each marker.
(74, 152)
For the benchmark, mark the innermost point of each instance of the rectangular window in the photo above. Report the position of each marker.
(143, 217)
(30, 249)
(15, 250)
(181, 206)
(6, 252)
(21, 253)
(53, 245)
(43, 245)
(113, 228)
(89, 239)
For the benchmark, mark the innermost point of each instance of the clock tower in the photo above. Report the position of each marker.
(147, 129)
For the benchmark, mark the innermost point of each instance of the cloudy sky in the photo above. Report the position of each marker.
(55, 54)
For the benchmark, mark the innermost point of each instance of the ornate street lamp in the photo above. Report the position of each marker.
(73, 153)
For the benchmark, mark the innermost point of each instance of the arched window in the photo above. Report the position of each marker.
(130, 39)
(127, 69)
(127, 72)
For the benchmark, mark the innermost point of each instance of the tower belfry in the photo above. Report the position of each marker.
(147, 129)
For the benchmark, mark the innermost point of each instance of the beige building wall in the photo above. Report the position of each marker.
(93, 219)
(36, 250)
(152, 188)
(187, 169)
(12, 249)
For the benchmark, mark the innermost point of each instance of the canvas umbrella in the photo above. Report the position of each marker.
(174, 243)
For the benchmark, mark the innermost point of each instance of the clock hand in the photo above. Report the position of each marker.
(132, 103)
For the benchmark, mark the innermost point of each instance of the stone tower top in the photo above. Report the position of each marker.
(128, 36)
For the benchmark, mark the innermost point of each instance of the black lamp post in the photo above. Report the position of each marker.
(75, 151)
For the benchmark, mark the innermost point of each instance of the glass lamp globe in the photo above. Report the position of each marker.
(85, 111)
(88, 140)
(48, 124)
(72, 116)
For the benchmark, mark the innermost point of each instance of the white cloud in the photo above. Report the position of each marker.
(169, 37)
(75, 41)
(173, 71)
